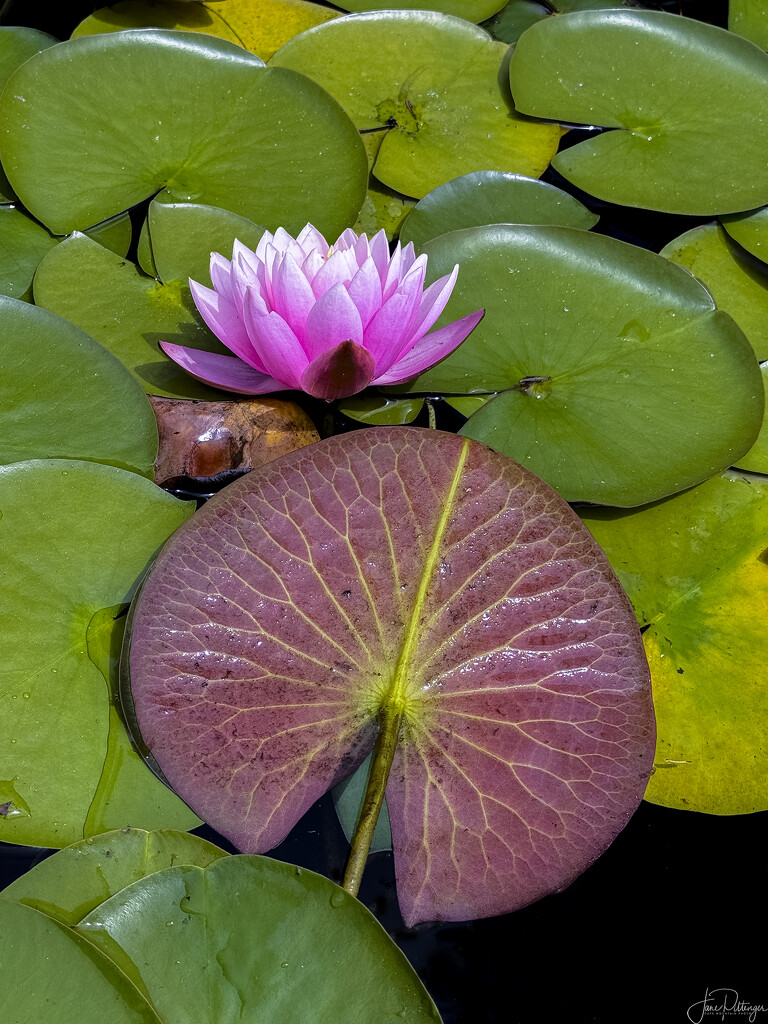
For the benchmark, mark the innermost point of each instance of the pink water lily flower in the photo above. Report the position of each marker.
(329, 320)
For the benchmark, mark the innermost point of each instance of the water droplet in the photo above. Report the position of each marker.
(635, 331)
(26, 696)
(298, 872)
(338, 898)
(169, 924)
(284, 963)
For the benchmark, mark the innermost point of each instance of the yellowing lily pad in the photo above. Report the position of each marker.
(127, 312)
(198, 119)
(471, 10)
(260, 27)
(646, 74)
(492, 197)
(696, 569)
(63, 396)
(608, 358)
(432, 81)
(737, 286)
(75, 536)
(382, 208)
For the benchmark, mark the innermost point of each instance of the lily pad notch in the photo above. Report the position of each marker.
(413, 592)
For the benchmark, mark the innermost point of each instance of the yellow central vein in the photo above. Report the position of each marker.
(393, 705)
(396, 694)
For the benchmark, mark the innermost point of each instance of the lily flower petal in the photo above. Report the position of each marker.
(327, 319)
(292, 293)
(222, 317)
(338, 372)
(365, 291)
(225, 372)
(438, 345)
(333, 319)
(389, 331)
(278, 347)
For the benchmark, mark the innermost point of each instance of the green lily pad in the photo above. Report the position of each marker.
(673, 151)
(127, 312)
(23, 243)
(750, 230)
(609, 360)
(348, 799)
(380, 409)
(54, 974)
(114, 233)
(16, 46)
(261, 28)
(62, 396)
(249, 938)
(737, 286)
(74, 536)
(198, 119)
(492, 197)
(433, 81)
(471, 10)
(178, 239)
(518, 15)
(756, 459)
(749, 18)
(382, 208)
(76, 880)
(695, 569)
(467, 405)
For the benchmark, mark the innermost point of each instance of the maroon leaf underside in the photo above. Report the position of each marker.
(268, 633)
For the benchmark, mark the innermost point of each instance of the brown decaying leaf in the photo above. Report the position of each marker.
(202, 440)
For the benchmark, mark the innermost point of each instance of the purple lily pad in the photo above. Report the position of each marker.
(405, 564)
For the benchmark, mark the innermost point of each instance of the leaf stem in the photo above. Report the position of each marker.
(390, 719)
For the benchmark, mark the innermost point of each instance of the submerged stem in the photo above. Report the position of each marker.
(390, 719)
